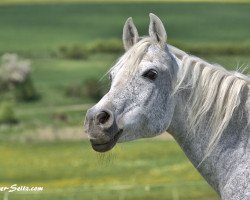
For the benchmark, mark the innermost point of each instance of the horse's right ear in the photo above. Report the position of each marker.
(130, 34)
(157, 30)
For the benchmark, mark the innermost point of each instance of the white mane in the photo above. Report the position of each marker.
(215, 94)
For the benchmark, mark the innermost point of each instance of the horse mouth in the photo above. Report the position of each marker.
(107, 145)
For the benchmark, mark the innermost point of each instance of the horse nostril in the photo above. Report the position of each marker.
(103, 117)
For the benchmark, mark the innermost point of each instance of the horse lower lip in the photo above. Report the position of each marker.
(108, 145)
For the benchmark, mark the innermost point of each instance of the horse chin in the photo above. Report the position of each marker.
(104, 147)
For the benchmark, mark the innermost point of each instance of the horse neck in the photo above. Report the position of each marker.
(195, 142)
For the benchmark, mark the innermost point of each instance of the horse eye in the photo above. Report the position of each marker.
(151, 74)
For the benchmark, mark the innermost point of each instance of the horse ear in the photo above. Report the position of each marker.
(130, 34)
(157, 30)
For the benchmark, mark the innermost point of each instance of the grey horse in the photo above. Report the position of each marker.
(156, 87)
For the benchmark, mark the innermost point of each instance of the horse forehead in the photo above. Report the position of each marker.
(155, 54)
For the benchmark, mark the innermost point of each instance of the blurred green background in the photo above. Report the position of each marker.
(53, 57)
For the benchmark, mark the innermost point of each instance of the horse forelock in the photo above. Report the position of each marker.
(130, 61)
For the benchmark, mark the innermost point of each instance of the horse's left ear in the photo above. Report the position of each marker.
(157, 30)
(130, 34)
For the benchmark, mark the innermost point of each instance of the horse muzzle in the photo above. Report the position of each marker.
(102, 129)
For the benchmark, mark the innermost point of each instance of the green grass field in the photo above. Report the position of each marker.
(137, 170)
(38, 29)
(147, 169)
(8, 2)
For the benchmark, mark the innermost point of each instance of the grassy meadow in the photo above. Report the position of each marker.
(145, 169)
(73, 171)
(42, 28)
(8, 2)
